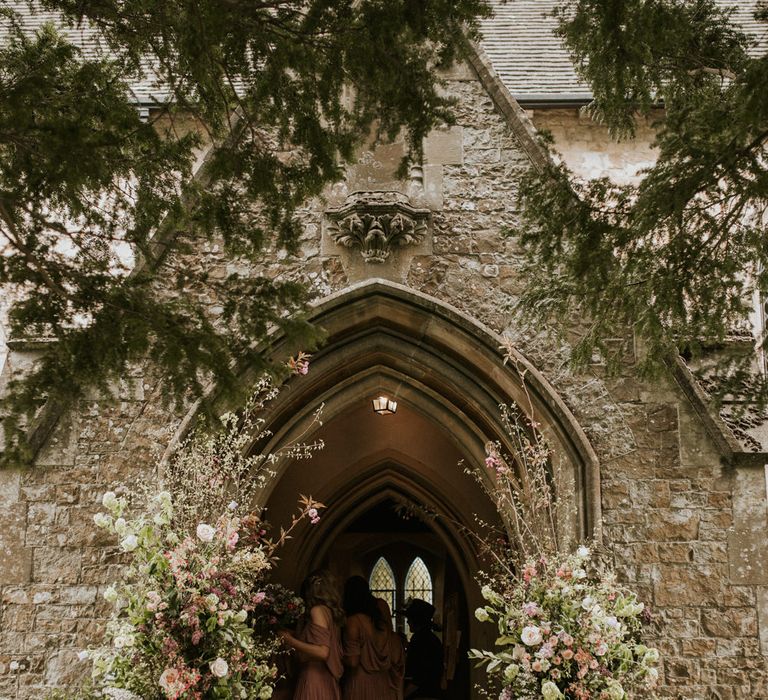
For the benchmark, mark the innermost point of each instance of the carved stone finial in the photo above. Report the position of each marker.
(377, 221)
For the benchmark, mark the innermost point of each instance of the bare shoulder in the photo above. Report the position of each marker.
(321, 615)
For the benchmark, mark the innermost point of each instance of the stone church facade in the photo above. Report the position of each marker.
(413, 286)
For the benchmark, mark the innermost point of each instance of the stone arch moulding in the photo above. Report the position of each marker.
(383, 336)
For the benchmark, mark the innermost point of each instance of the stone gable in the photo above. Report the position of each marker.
(685, 529)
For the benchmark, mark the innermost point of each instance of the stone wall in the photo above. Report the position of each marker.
(670, 508)
(590, 151)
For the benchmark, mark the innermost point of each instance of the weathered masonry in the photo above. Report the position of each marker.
(413, 283)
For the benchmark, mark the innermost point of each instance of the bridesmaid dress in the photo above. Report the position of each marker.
(319, 680)
(379, 673)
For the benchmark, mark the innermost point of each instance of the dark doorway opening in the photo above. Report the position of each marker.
(402, 558)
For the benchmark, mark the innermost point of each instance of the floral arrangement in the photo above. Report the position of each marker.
(180, 628)
(190, 619)
(276, 607)
(567, 628)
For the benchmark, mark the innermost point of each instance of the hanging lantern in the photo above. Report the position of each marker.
(384, 406)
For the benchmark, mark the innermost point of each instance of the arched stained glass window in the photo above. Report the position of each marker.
(418, 582)
(382, 582)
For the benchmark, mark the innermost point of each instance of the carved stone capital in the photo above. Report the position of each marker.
(376, 222)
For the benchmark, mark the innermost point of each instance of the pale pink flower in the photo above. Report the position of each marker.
(168, 681)
(531, 609)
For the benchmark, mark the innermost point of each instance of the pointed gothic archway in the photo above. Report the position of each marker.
(447, 372)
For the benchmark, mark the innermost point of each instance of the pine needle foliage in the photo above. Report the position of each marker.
(678, 257)
(98, 207)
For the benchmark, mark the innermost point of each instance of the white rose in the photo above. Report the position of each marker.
(579, 574)
(612, 623)
(482, 615)
(549, 691)
(265, 693)
(110, 595)
(582, 552)
(129, 543)
(121, 527)
(205, 532)
(588, 603)
(241, 616)
(219, 668)
(531, 635)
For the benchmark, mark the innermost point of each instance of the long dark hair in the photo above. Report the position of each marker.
(320, 588)
(359, 599)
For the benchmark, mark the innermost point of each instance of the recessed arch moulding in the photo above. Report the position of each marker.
(448, 374)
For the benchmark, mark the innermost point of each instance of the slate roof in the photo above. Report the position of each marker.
(518, 39)
(532, 62)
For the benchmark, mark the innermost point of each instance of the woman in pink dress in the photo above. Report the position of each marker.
(374, 671)
(318, 643)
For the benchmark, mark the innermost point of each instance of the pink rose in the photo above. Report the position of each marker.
(168, 681)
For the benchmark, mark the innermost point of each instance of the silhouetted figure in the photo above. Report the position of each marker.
(424, 659)
(372, 671)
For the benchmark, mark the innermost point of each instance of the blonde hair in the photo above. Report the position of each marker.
(321, 588)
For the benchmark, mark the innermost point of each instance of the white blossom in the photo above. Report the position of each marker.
(109, 499)
(129, 543)
(531, 635)
(102, 520)
(549, 691)
(205, 532)
(219, 668)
